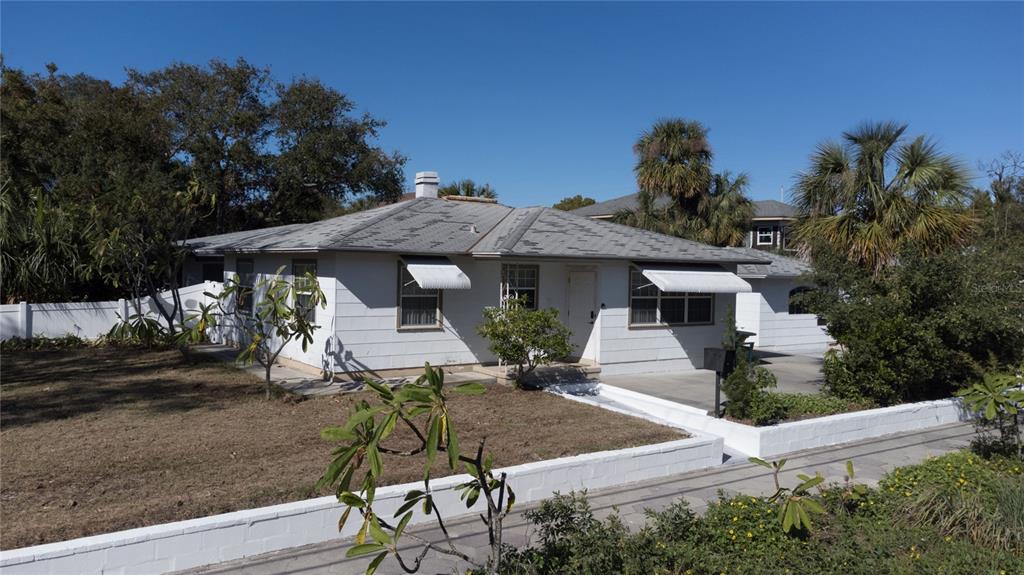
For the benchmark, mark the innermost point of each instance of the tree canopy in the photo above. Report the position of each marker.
(82, 158)
(574, 202)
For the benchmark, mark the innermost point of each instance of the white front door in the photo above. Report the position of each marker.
(582, 309)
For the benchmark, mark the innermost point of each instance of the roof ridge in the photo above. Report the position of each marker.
(521, 229)
(375, 219)
(484, 235)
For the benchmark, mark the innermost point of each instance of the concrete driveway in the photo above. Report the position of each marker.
(795, 374)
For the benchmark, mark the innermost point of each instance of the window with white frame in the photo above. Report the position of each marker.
(304, 286)
(648, 305)
(521, 281)
(417, 307)
(245, 269)
(764, 236)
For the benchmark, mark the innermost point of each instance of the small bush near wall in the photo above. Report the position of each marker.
(861, 532)
(37, 343)
(769, 408)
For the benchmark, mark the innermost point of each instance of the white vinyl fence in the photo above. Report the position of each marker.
(89, 320)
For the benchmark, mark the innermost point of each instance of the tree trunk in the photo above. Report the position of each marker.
(267, 386)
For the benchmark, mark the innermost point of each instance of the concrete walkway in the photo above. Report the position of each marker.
(794, 373)
(872, 459)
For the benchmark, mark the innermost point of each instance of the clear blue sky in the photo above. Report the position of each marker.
(545, 100)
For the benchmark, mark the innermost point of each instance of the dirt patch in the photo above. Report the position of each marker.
(103, 439)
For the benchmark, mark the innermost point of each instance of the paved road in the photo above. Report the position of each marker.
(872, 459)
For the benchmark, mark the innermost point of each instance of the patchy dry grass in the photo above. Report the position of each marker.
(102, 439)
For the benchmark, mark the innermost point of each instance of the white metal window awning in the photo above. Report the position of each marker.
(694, 280)
(436, 273)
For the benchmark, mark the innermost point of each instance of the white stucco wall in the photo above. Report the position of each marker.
(766, 312)
(626, 350)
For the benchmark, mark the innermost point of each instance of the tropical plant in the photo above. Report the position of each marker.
(874, 195)
(138, 329)
(467, 188)
(999, 399)
(283, 312)
(674, 160)
(725, 212)
(525, 338)
(573, 203)
(358, 465)
(679, 194)
(796, 503)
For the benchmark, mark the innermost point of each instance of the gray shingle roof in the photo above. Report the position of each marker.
(762, 208)
(780, 266)
(436, 226)
(773, 209)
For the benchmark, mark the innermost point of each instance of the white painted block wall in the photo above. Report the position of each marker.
(187, 544)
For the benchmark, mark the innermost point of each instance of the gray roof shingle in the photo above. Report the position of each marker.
(780, 266)
(451, 227)
(762, 208)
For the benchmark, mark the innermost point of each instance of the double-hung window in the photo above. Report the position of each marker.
(245, 270)
(304, 287)
(765, 236)
(417, 307)
(648, 305)
(520, 281)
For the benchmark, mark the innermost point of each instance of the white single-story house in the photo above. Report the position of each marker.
(407, 282)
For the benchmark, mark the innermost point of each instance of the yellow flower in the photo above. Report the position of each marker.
(750, 535)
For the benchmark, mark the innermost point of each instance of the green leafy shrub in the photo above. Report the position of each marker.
(769, 407)
(525, 338)
(999, 401)
(68, 341)
(139, 330)
(741, 535)
(922, 329)
(745, 387)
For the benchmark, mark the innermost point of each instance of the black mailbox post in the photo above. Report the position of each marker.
(722, 361)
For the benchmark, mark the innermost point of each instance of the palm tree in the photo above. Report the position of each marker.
(674, 162)
(847, 201)
(725, 212)
(467, 188)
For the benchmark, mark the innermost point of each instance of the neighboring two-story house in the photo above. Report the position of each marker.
(769, 228)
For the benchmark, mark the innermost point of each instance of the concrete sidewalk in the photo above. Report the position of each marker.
(872, 459)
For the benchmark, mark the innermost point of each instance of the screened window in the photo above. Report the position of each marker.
(520, 281)
(246, 280)
(764, 236)
(417, 307)
(648, 305)
(303, 287)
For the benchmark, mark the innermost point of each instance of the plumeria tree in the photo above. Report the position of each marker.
(358, 465)
(283, 311)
